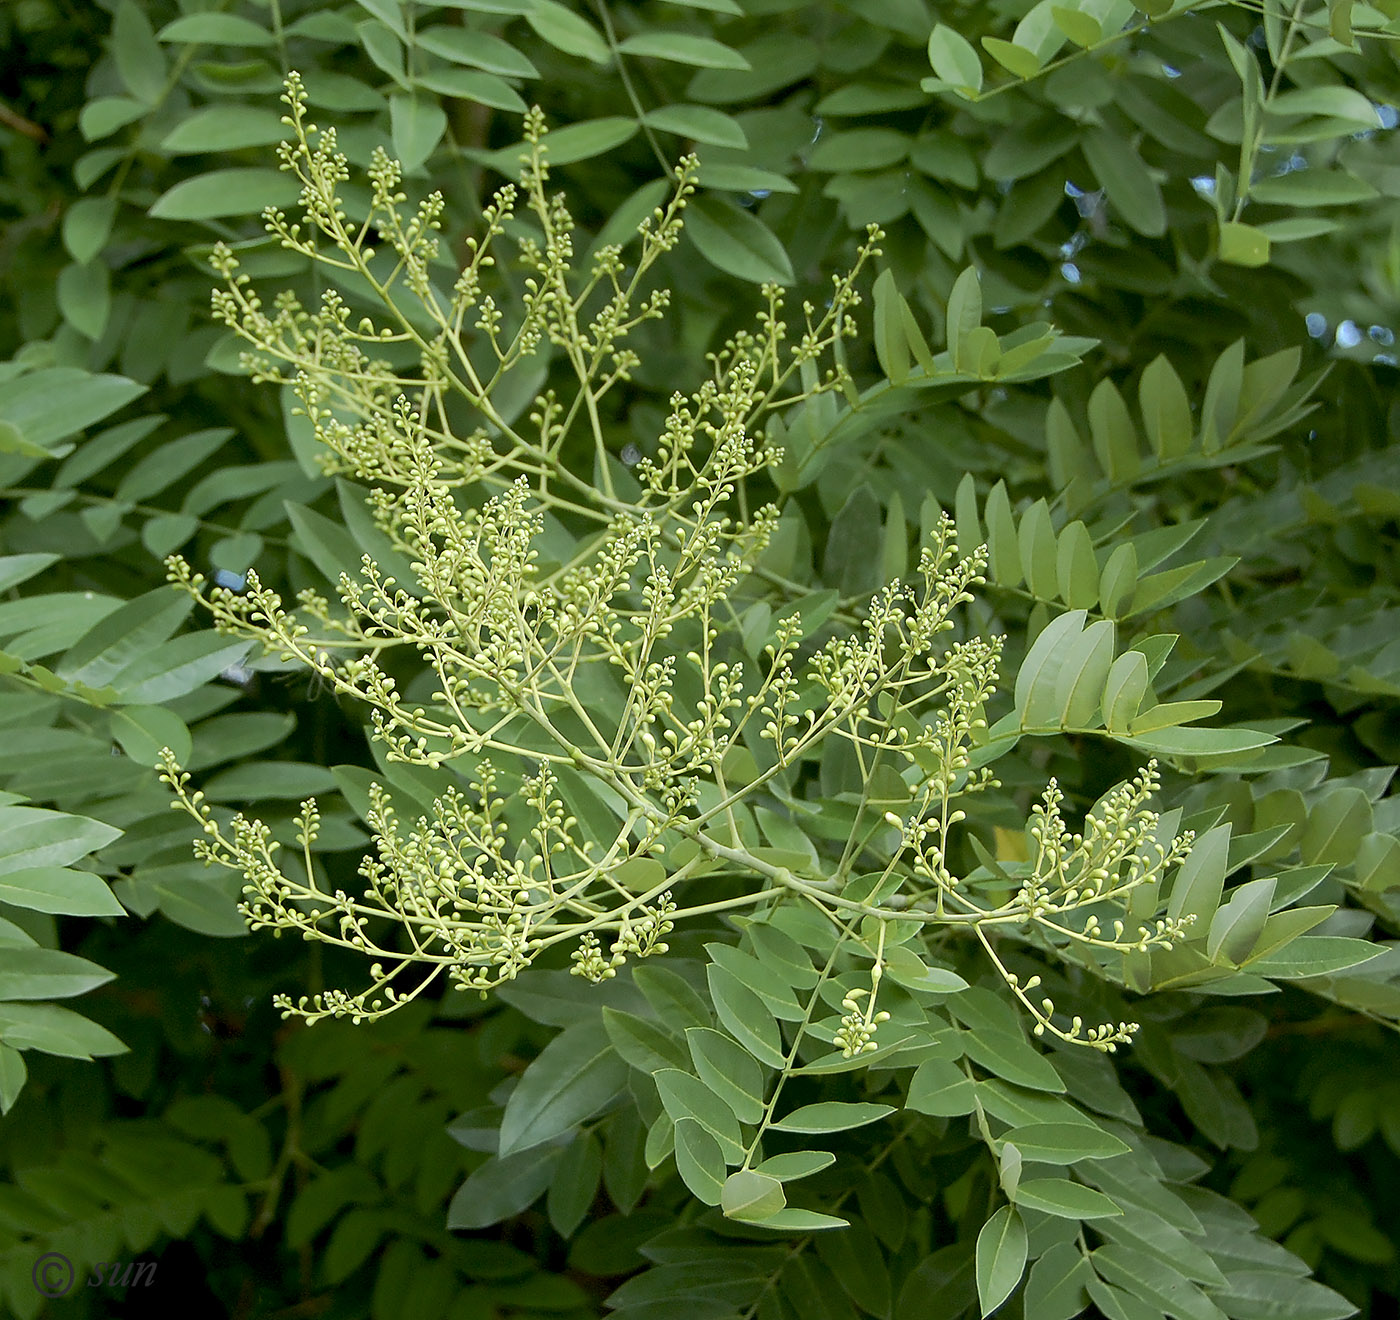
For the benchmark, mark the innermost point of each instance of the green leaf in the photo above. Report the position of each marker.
(124, 636)
(417, 127)
(503, 1186)
(1055, 1287)
(1171, 715)
(1378, 863)
(572, 1078)
(673, 997)
(47, 974)
(54, 403)
(736, 242)
(1064, 1143)
(858, 149)
(699, 1161)
(745, 1016)
(1015, 59)
(727, 176)
(472, 85)
(1332, 101)
(767, 983)
(53, 1029)
(1263, 385)
(1201, 742)
(326, 543)
(969, 525)
(142, 731)
(236, 554)
(964, 316)
(1166, 411)
(1009, 1167)
(1339, 23)
(352, 1241)
(1336, 825)
(1045, 661)
(1114, 1303)
(728, 1070)
(800, 1221)
(749, 1195)
(1011, 1058)
(782, 953)
(953, 59)
(1002, 541)
(1123, 690)
(712, 6)
(1131, 189)
(1166, 588)
(1142, 1275)
(163, 467)
(139, 59)
(1315, 955)
(831, 1116)
(1064, 1199)
(1077, 569)
(216, 30)
(31, 837)
(904, 967)
(87, 225)
(575, 1183)
(1081, 28)
(853, 543)
(891, 345)
(165, 534)
(699, 123)
(13, 1074)
(1199, 882)
(477, 50)
(1313, 187)
(686, 1096)
(1112, 434)
(188, 899)
(15, 569)
(940, 1087)
(796, 1164)
(219, 128)
(567, 31)
(682, 48)
(1259, 1294)
(385, 48)
(857, 1263)
(103, 116)
(390, 13)
(223, 193)
(341, 92)
(1221, 404)
(569, 145)
(1236, 927)
(1039, 552)
(642, 1043)
(177, 667)
(1001, 1257)
(1243, 245)
(56, 889)
(1074, 701)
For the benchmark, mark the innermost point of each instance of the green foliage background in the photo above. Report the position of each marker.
(1201, 200)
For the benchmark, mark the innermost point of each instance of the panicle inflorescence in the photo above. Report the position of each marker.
(572, 601)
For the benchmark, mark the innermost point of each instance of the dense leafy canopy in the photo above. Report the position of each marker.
(1110, 291)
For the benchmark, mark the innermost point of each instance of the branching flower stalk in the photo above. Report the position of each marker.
(622, 666)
